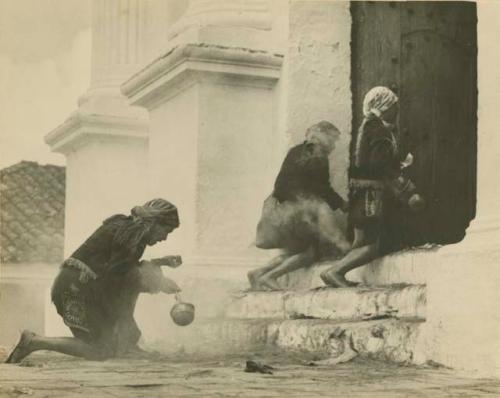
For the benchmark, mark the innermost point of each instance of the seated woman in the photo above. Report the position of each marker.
(298, 217)
(97, 287)
(375, 181)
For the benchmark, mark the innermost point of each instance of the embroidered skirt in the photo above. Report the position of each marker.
(367, 199)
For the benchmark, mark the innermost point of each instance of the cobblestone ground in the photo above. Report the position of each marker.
(54, 375)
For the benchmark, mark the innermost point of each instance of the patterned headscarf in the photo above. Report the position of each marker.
(378, 100)
(159, 210)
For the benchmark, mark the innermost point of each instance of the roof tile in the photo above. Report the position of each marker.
(32, 198)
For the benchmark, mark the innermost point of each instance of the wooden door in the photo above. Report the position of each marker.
(427, 53)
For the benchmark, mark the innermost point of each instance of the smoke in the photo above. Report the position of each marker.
(210, 290)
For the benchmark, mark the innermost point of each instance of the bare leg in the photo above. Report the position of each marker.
(360, 239)
(254, 275)
(363, 251)
(30, 342)
(292, 263)
(335, 276)
(330, 230)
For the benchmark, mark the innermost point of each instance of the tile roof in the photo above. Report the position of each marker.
(32, 213)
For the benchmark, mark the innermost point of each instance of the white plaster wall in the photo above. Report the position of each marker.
(235, 166)
(463, 320)
(280, 12)
(103, 177)
(319, 63)
(21, 307)
(173, 153)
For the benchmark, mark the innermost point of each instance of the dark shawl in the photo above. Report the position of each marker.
(305, 173)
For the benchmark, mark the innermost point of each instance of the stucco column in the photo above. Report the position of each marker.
(116, 41)
(224, 22)
(105, 139)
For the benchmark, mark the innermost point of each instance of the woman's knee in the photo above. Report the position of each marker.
(264, 245)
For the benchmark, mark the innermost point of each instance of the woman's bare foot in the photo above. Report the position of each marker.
(269, 282)
(327, 280)
(136, 352)
(23, 347)
(253, 278)
(336, 279)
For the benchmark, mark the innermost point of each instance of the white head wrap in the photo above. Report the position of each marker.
(378, 100)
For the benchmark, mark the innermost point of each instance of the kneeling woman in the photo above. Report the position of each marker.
(298, 217)
(97, 288)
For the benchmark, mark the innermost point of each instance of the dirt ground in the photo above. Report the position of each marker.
(53, 375)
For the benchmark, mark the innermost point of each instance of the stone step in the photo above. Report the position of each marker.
(334, 304)
(410, 267)
(389, 339)
(385, 339)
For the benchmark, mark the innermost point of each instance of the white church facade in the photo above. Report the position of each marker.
(198, 101)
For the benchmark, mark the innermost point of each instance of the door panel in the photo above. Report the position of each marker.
(428, 51)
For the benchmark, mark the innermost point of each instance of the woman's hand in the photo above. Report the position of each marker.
(86, 275)
(152, 279)
(170, 261)
(407, 162)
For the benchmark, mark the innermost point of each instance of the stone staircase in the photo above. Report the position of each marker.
(382, 322)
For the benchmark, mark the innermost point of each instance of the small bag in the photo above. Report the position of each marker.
(268, 229)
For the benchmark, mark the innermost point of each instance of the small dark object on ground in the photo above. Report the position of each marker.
(436, 365)
(297, 315)
(30, 364)
(257, 367)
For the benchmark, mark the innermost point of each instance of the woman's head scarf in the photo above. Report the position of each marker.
(378, 100)
(159, 210)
